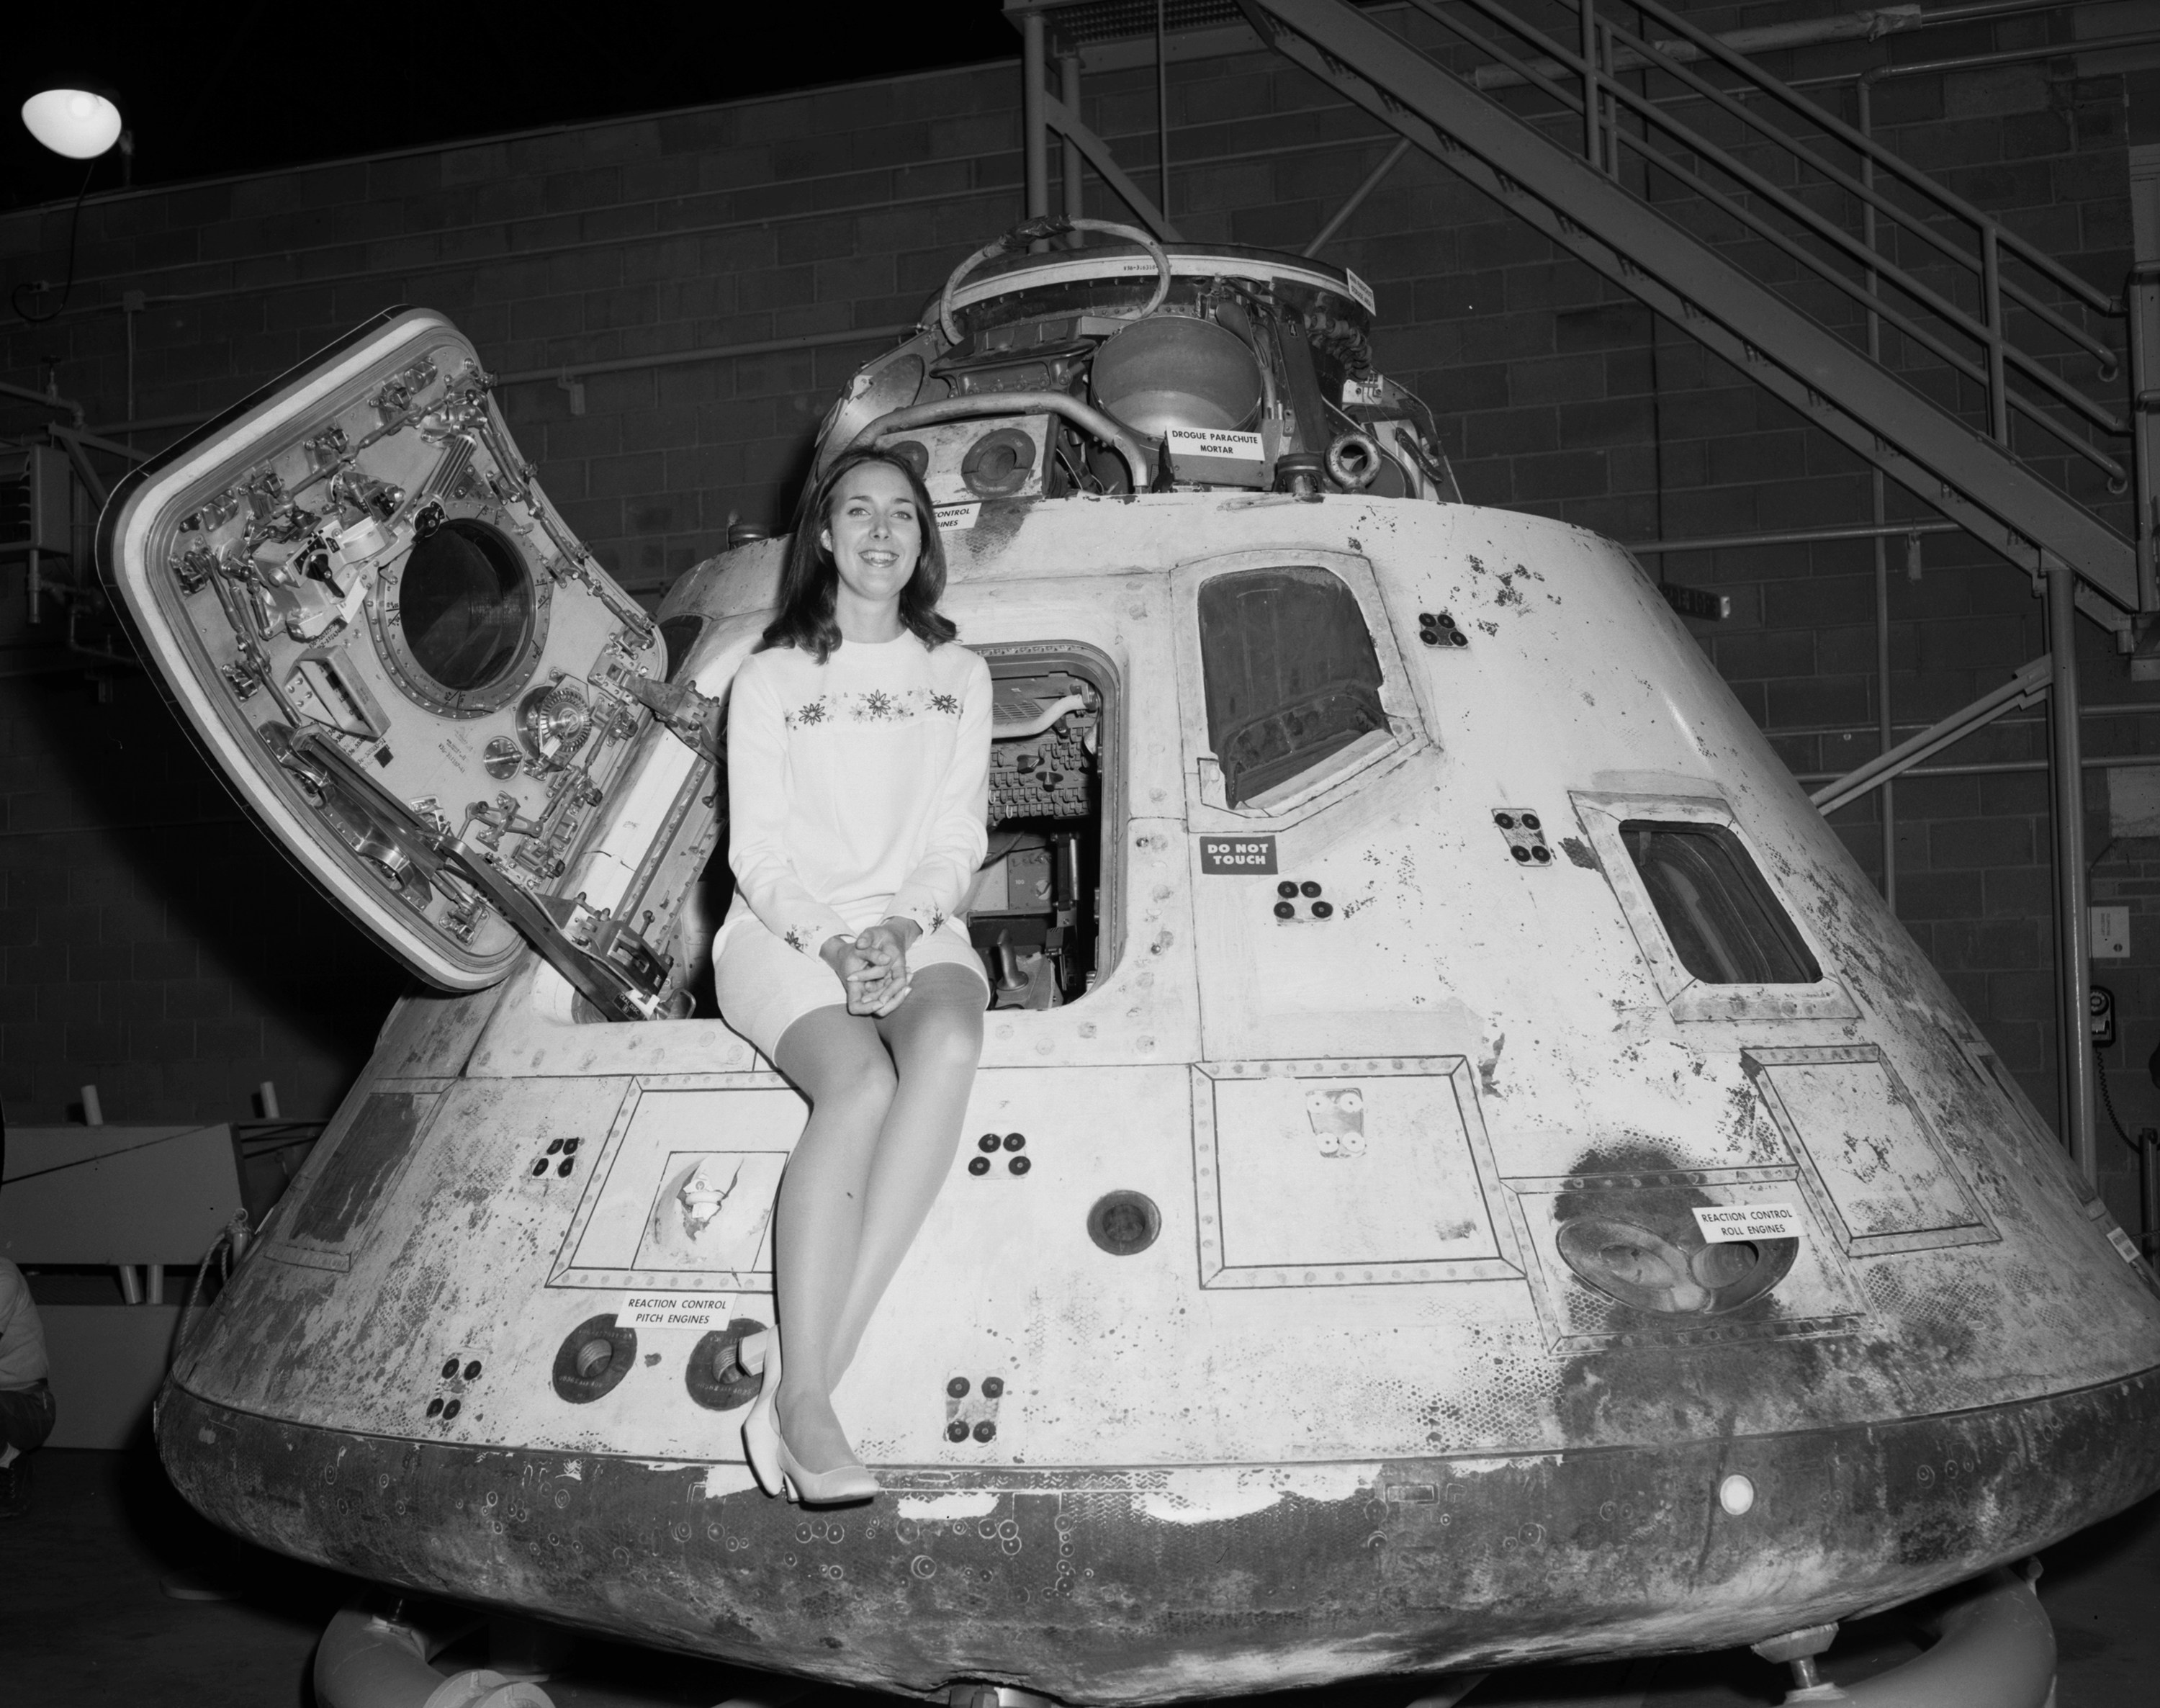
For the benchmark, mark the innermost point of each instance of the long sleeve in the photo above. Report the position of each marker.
(759, 794)
(958, 829)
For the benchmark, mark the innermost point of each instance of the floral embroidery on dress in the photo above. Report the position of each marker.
(797, 939)
(937, 919)
(875, 705)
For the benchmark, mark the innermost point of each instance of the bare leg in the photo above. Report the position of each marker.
(936, 1038)
(837, 1059)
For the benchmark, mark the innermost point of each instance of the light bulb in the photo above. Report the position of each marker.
(76, 122)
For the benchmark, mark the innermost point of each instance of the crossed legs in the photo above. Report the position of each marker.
(886, 1100)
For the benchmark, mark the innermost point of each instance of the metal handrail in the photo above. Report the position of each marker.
(1859, 188)
(1999, 357)
(1883, 158)
(1650, 111)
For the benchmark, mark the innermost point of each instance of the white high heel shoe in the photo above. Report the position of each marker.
(758, 1355)
(777, 1470)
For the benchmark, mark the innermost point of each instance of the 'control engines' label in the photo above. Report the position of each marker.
(1237, 854)
(1723, 1224)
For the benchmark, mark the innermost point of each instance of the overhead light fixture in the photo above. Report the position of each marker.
(79, 124)
(77, 120)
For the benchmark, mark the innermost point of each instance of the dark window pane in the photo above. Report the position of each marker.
(1726, 926)
(1291, 675)
(466, 605)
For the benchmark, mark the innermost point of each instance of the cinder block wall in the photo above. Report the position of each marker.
(820, 220)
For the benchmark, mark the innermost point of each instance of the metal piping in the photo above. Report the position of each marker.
(1070, 181)
(1796, 536)
(2023, 689)
(2073, 923)
(51, 400)
(1037, 137)
(1356, 199)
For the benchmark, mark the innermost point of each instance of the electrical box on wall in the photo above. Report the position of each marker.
(2111, 933)
(35, 514)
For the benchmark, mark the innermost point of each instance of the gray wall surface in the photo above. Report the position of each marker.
(148, 937)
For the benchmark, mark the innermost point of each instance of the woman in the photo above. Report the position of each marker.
(858, 747)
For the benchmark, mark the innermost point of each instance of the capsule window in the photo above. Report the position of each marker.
(1291, 674)
(1725, 924)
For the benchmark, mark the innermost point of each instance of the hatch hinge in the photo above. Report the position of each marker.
(620, 974)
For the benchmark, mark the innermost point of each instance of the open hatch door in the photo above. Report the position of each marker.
(410, 672)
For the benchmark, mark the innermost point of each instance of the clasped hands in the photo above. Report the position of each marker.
(873, 965)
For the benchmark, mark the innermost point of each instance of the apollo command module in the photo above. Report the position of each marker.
(1464, 1170)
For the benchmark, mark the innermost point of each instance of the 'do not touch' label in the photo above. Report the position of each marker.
(1244, 855)
(1723, 1224)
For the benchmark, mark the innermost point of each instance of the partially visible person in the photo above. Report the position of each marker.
(26, 1397)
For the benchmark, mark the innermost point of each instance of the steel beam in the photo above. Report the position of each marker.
(1827, 382)
(1067, 123)
(2073, 923)
(2023, 689)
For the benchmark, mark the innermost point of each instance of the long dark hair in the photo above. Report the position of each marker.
(808, 581)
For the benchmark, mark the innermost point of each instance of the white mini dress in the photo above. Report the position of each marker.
(858, 790)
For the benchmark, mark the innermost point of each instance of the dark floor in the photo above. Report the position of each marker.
(86, 1618)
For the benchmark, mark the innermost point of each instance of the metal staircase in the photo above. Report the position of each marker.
(1932, 341)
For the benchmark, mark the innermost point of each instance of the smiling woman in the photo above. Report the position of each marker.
(859, 741)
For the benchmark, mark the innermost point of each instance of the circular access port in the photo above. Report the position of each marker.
(464, 619)
(714, 1378)
(997, 465)
(1123, 1224)
(594, 1357)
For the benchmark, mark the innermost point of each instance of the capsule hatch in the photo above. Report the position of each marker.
(409, 672)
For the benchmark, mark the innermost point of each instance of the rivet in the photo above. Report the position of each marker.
(989, 1141)
(1015, 1141)
(994, 1387)
(1323, 910)
(1284, 910)
(957, 1389)
(1019, 1165)
(985, 1431)
(978, 1164)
